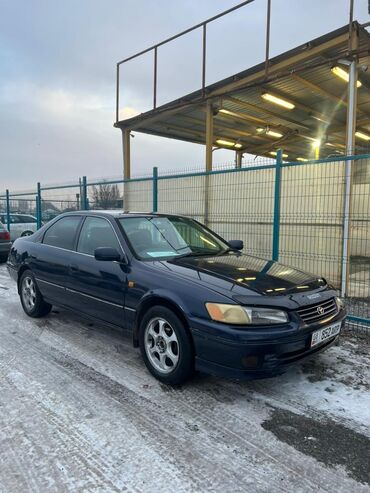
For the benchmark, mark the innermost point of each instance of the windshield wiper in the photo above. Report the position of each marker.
(194, 254)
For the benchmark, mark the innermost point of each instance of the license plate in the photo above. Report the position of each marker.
(325, 333)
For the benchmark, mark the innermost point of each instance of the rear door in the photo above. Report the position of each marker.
(98, 287)
(51, 260)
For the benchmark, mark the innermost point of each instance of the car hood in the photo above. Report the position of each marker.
(244, 274)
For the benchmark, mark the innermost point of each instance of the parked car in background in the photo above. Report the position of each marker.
(191, 299)
(20, 225)
(5, 243)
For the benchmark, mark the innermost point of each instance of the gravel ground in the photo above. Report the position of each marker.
(79, 412)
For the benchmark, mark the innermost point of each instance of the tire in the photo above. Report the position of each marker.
(32, 301)
(166, 346)
(27, 233)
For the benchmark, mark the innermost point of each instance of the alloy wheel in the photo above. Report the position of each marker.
(29, 293)
(161, 345)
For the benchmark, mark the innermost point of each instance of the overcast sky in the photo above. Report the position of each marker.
(57, 75)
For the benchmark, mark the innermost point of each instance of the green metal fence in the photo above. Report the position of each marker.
(291, 212)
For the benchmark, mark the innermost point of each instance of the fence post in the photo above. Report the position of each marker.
(7, 210)
(84, 204)
(80, 188)
(276, 225)
(38, 207)
(155, 189)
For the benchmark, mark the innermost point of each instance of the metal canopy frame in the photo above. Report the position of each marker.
(232, 109)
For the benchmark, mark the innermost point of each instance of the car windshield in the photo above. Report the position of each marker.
(160, 237)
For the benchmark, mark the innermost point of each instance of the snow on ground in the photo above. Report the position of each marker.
(79, 412)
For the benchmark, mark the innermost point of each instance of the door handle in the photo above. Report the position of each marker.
(74, 268)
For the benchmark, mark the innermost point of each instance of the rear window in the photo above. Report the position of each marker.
(62, 234)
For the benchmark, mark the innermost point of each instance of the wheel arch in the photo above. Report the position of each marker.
(159, 300)
(22, 269)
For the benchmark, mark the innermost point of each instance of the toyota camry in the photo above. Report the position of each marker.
(190, 299)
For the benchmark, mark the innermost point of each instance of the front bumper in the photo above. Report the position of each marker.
(255, 353)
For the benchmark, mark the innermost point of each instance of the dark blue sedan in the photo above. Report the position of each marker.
(191, 299)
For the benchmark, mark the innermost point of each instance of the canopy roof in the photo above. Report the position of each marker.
(302, 77)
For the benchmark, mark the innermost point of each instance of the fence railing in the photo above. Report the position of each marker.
(290, 212)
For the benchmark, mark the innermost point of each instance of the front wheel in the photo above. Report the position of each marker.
(31, 298)
(166, 346)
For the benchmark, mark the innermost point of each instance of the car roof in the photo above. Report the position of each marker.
(119, 213)
(17, 214)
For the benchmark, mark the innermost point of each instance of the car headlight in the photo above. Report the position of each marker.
(340, 303)
(245, 315)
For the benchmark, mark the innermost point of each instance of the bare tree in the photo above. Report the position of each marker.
(106, 196)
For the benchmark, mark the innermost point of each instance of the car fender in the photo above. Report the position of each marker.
(157, 297)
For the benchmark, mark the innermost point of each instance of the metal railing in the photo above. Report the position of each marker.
(203, 26)
(154, 49)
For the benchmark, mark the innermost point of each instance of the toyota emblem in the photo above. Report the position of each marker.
(320, 310)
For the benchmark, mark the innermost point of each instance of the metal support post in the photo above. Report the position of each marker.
(238, 159)
(350, 149)
(126, 154)
(209, 136)
(117, 92)
(277, 199)
(268, 25)
(204, 57)
(155, 77)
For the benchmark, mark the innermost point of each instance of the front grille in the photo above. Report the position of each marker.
(318, 311)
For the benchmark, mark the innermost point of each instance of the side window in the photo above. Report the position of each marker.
(16, 219)
(96, 232)
(62, 234)
(27, 219)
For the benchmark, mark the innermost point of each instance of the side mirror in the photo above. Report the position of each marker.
(107, 254)
(236, 244)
